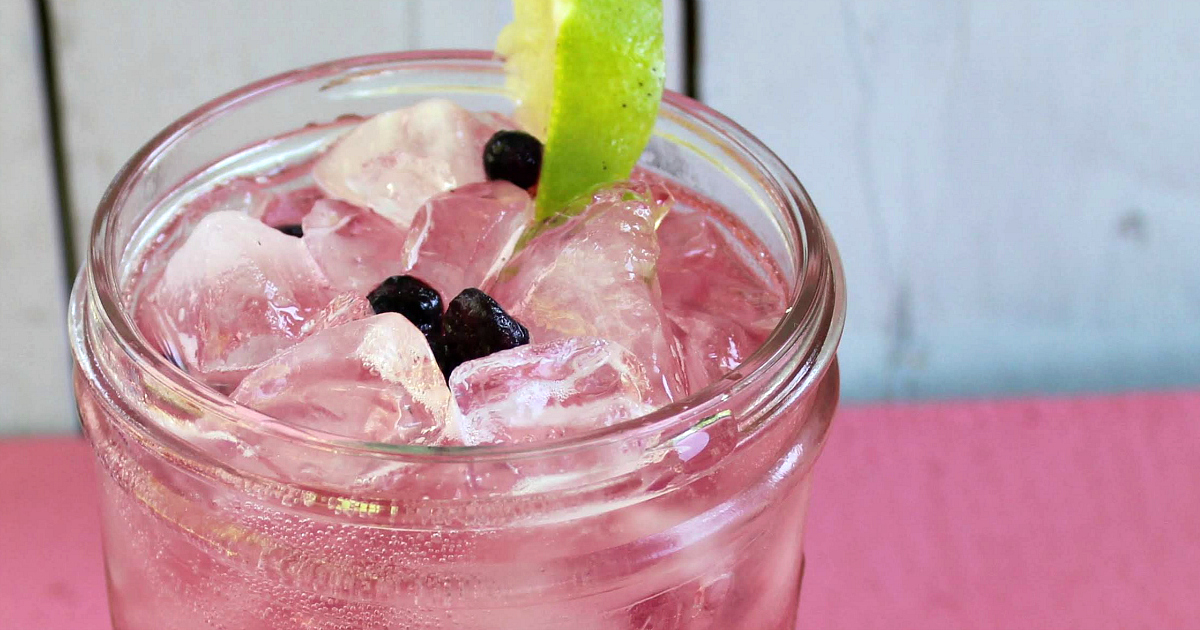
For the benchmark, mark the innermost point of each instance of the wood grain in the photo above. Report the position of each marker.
(129, 69)
(1013, 185)
(34, 390)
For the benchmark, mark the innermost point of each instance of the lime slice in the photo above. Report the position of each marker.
(588, 77)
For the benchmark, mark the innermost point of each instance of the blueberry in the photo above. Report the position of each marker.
(410, 297)
(292, 230)
(513, 156)
(475, 326)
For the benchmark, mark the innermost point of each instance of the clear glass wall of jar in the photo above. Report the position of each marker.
(217, 517)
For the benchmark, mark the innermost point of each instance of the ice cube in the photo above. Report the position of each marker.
(394, 161)
(544, 391)
(233, 295)
(356, 248)
(723, 300)
(706, 266)
(374, 379)
(461, 238)
(342, 309)
(288, 207)
(594, 276)
(713, 345)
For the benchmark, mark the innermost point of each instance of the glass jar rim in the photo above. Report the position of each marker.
(803, 342)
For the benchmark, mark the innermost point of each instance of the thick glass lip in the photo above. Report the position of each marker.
(791, 347)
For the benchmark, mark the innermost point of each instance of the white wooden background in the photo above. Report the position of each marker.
(1015, 186)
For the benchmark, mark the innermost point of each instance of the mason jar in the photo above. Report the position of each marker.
(216, 516)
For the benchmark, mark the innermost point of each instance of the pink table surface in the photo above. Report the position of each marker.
(1075, 513)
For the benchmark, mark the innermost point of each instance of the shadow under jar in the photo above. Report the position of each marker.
(216, 516)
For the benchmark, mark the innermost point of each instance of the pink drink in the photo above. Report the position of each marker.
(640, 463)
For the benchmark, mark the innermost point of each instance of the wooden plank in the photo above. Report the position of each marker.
(475, 24)
(1012, 184)
(129, 69)
(459, 23)
(35, 394)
